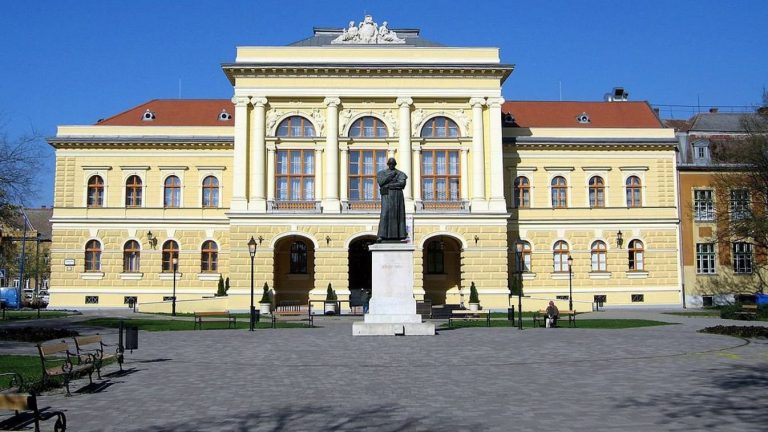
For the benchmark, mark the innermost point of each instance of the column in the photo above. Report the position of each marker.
(240, 174)
(464, 182)
(318, 174)
(404, 148)
(271, 173)
(331, 202)
(416, 160)
(478, 156)
(497, 203)
(343, 174)
(257, 199)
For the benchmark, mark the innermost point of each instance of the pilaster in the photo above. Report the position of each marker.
(497, 202)
(331, 203)
(404, 148)
(240, 174)
(257, 199)
(479, 202)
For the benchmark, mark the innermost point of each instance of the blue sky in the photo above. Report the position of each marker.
(74, 62)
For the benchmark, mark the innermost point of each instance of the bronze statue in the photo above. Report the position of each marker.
(392, 220)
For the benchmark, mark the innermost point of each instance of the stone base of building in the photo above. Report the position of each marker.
(393, 329)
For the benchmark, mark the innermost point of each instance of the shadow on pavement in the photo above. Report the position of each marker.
(726, 399)
(386, 418)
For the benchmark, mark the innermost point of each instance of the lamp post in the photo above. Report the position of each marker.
(252, 252)
(570, 283)
(174, 263)
(519, 270)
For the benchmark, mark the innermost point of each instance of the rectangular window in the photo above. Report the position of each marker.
(638, 298)
(561, 297)
(363, 166)
(130, 299)
(600, 299)
(703, 205)
(167, 298)
(742, 258)
(705, 258)
(440, 176)
(740, 205)
(91, 299)
(295, 175)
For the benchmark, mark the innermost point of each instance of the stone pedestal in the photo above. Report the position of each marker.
(392, 308)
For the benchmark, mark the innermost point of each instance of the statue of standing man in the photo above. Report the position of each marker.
(392, 220)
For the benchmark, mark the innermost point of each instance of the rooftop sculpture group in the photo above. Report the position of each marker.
(368, 32)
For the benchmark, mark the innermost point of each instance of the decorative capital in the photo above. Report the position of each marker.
(404, 101)
(495, 102)
(258, 101)
(332, 101)
(240, 101)
(477, 102)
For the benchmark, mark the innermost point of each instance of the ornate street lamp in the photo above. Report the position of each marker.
(252, 252)
(570, 283)
(174, 263)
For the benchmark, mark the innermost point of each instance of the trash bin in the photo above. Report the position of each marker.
(511, 314)
(131, 338)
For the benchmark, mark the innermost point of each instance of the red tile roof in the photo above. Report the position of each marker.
(563, 114)
(176, 112)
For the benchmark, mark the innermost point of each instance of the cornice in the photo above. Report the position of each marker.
(142, 142)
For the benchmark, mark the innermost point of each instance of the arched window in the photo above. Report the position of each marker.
(633, 192)
(95, 191)
(133, 191)
(522, 192)
(523, 257)
(596, 192)
(368, 127)
(435, 257)
(296, 126)
(170, 252)
(210, 192)
(93, 256)
(636, 256)
(439, 127)
(559, 192)
(131, 257)
(172, 192)
(209, 259)
(561, 254)
(298, 257)
(599, 251)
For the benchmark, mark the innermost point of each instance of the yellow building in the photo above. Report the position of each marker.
(290, 161)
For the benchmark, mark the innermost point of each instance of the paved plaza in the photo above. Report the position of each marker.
(667, 378)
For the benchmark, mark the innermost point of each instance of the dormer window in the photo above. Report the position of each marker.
(583, 118)
(701, 152)
(148, 115)
(224, 115)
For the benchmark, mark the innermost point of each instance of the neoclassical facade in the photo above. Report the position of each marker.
(291, 159)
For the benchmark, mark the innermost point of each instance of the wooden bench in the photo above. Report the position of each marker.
(25, 408)
(97, 351)
(747, 312)
(215, 316)
(467, 315)
(540, 321)
(292, 315)
(66, 367)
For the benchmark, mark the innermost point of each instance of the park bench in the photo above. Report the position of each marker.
(65, 367)
(25, 407)
(747, 312)
(215, 316)
(290, 305)
(467, 315)
(540, 321)
(292, 315)
(97, 351)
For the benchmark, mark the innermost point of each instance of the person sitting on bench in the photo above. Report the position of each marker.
(551, 315)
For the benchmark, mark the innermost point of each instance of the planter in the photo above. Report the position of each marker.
(265, 308)
(474, 307)
(330, 308)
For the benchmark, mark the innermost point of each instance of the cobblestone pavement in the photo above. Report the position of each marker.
(667, 378)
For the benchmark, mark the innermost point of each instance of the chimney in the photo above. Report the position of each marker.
(713, 110)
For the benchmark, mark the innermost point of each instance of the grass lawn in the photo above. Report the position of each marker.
(16, 315)
(179, 325)
(583, 324)
(27, 366)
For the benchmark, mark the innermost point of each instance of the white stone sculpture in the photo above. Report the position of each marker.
(368, 32)
(319, 118)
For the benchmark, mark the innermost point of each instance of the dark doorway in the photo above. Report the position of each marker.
(359, 268)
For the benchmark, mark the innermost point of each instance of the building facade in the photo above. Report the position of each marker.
(163, 198)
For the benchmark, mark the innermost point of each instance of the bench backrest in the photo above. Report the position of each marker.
(205, 314)
(87, 340)
(17, 401)
(52, 348)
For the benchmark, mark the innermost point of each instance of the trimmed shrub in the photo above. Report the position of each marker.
(738, 331)
(473, 297)
(330, 295)
(265, 294)
(35, 334)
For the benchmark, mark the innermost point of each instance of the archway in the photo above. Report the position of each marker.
(359, 268)
(442, 270)
(294, 270)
